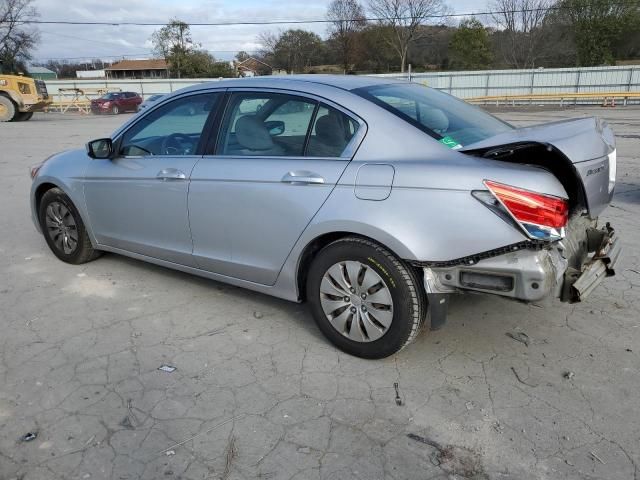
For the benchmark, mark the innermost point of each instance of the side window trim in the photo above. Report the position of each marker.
(310, 128)
(215, 127)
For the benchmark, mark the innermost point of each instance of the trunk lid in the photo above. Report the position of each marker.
(583, 149)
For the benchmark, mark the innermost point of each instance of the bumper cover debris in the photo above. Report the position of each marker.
(578, 284)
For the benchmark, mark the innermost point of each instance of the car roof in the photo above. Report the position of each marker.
(301, 82)
(346, 82)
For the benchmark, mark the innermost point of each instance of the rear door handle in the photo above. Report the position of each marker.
(170, 174)
(302, 176)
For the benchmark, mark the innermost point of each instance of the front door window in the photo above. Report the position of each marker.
(173, 129)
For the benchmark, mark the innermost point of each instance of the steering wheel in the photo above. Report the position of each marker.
(173, 144)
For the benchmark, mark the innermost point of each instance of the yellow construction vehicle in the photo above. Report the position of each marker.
(21, 96)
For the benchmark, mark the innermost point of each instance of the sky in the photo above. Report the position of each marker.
(82, 42)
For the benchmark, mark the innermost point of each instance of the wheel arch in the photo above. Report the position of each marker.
(16, 99)
(318, 242)
(41, 190)
(47, 184)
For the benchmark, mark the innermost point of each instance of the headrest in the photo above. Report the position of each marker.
(330, 129)
(434, 118)
(252, 134)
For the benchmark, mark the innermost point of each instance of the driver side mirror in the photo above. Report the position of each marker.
(100, 149)
(275, 127)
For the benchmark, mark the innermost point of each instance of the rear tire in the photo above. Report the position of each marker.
(23, 116)
(115, 110)
(7, 109)
(364, 299)
(63, 228)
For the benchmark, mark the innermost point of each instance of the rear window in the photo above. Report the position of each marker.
(451, 121)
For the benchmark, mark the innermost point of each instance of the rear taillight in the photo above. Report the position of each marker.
(540, 216)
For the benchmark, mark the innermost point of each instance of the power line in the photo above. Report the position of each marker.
(73, 37)
(307, 21)
(128, 55)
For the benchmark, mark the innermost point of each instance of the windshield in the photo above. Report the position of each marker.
(110, 96)
(449, 120)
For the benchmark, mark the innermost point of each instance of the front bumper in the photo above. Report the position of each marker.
(38, 106)
(569, 269)
(100, 108)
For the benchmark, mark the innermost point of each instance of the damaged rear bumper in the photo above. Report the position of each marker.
(580, 282)
(569, 269)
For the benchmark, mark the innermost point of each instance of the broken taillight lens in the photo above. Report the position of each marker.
(541, 216)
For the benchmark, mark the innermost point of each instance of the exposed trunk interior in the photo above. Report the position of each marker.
(545, 156)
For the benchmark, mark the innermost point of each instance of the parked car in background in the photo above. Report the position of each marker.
(152, 100)
(116, 102)
(374, 200)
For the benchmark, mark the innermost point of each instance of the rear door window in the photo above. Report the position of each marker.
(266, 124)
(332, 131)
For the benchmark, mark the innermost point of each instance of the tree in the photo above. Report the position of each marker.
(404, 19)
(66, 69)
(241, 56)
(470, 47)
(173, 42)
(432, 50)
(597, 26)
(197, 63)
(347, 21)
(522, 34)
(16, 40)
(200, 63)
(378, 56)
(292, 50)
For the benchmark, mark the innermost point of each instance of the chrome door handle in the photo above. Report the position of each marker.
(302, 177)
(170, 174)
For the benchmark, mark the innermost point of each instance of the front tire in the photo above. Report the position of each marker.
(23, 116)
(63, 228)
(7, 109)
(115, 110)
(364, 299)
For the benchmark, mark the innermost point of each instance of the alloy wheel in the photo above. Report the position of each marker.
(356, 301)
(61, 227)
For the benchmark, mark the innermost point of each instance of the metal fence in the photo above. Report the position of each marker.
(463, 84)
(472, 84)
(146, 88)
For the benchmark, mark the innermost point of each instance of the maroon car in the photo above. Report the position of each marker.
(116, 102)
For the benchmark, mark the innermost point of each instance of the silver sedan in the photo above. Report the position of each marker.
(373, 200)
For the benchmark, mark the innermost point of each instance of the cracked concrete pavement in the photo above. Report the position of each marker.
(259, 393)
